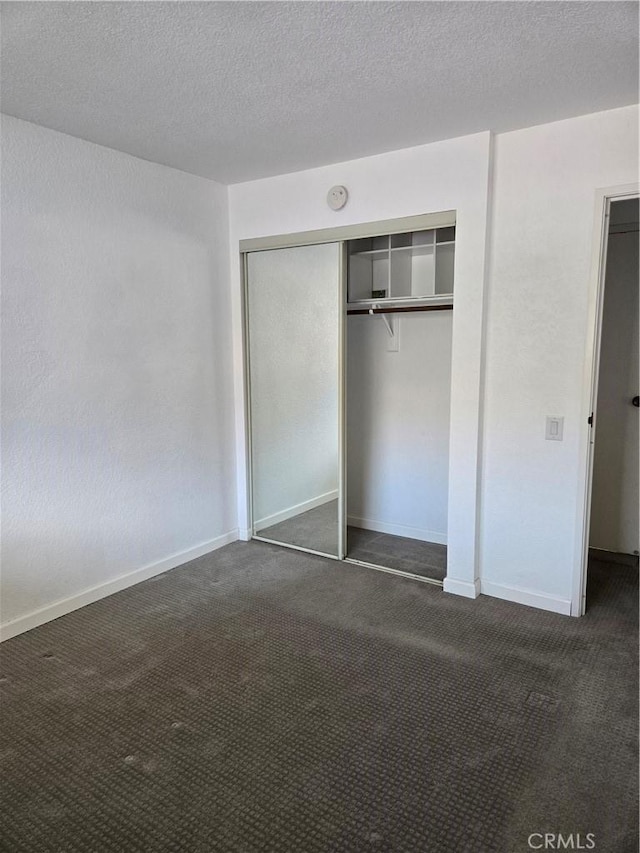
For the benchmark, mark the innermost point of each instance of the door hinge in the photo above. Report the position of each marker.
(590, 419)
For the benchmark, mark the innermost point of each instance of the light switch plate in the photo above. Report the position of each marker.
(554, 428)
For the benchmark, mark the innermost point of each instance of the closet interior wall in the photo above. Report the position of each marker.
(398, 399)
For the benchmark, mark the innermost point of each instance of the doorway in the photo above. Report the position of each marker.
(397, 438)
(400, 298)
(365, 481)
(614, 521)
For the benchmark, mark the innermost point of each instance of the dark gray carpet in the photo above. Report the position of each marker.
(260, 699)
(316, 529)
(397, 552)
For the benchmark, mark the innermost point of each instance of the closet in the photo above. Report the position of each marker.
(348, 349)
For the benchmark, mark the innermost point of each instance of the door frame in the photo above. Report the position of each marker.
(339, 235)
(603, 198)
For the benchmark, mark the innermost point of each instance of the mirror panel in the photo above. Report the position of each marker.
(294, 331)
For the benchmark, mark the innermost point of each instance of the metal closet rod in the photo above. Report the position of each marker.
(403, 309)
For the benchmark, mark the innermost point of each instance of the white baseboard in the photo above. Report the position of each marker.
(398, 530)
(468, 589)
(527, 596)
(244, 534)
(297, 509)
(66, 605)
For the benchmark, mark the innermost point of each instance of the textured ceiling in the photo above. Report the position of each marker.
(239, 90)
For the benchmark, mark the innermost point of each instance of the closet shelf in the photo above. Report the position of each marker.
(381, 253)
(415, 251)
(415, 265)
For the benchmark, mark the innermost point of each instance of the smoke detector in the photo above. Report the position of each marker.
(337, 197)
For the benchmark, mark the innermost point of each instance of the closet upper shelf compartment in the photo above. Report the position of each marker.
(410, 266)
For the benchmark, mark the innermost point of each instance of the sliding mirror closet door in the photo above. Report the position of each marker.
(294, 332)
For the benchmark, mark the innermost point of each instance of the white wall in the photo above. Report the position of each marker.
(118, 355)
(118, 436)
(452, 175)
(540, 304)
(398, 424)
(527, 506)
(614, 505)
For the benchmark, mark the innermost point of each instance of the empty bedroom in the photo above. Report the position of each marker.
(320, 520)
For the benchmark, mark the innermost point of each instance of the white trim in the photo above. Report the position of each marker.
(257, 538)
(66, 605)
(245, 513)
(297, 509)
(409, 575)
(527, 596)
(603, 197)
(342, 401)
(464, 588)
(244, 534)
(420, 222)
(398, 530)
